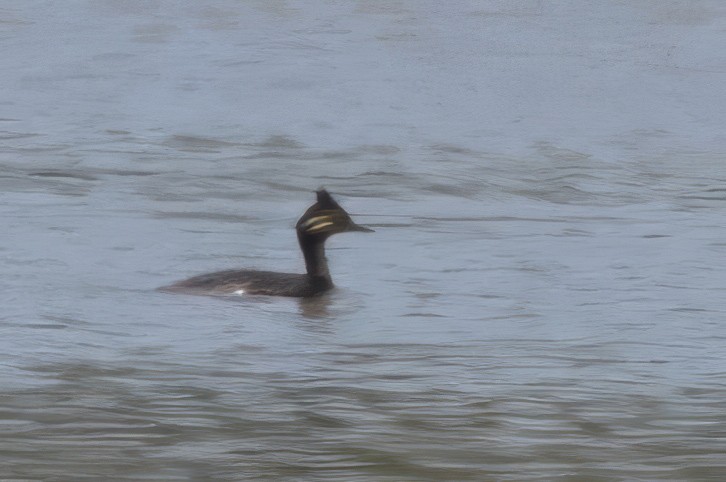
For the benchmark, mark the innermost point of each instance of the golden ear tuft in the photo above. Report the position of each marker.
(318, 227)
(317, 223)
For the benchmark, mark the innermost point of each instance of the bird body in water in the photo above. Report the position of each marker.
(315, 226)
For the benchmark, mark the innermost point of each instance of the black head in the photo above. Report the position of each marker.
(325, 218)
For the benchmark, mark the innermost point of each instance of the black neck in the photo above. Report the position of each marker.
(313, 249)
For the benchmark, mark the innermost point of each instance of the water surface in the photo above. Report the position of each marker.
(542, 298)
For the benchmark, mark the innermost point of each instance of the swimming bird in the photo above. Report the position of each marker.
(315, 226)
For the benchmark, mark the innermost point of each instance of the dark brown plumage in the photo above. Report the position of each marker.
(315, 226)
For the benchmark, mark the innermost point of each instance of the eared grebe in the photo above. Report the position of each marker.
(320, 221)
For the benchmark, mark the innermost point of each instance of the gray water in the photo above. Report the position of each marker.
(543, 298)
